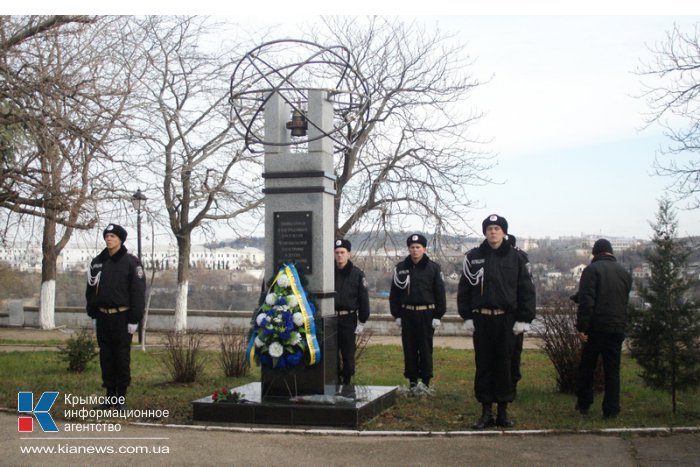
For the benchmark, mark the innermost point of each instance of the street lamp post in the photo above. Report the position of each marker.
(138, 200)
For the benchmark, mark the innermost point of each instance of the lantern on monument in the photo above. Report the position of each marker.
(298, 124)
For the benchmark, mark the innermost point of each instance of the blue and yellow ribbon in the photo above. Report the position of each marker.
(306, 311)
(250, 352)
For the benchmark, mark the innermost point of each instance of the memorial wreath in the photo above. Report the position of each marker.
(283, 333)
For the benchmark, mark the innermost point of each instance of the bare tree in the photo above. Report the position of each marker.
(63, 94)
(413, 158)
(14, 31)
(200, 164)
(672, 91)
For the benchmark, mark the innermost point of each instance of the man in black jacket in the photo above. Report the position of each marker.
(115, 297)
(417, 302)
(602, 315)
(496, 298)
(351, 307)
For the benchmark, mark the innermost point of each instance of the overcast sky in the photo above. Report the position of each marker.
(567, 123)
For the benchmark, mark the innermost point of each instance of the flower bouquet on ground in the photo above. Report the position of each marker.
(227, 395)
(283, 333)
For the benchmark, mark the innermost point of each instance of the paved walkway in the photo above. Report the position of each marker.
(28, 335)
(156, 445)
(169, 446)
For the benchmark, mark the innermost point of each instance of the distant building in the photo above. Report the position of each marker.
(641, 272)
(576, 272)
(27, 257)
(23, 256)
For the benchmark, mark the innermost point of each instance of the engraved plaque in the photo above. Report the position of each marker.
(292, 239)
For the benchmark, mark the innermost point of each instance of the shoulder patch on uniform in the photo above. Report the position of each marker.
(364, 282)
(139, 272)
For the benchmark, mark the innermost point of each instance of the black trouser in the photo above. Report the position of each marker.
(515, 360)
(115, 349)
(417, 339)
(493, 350)
(609, 345)
(346, 346)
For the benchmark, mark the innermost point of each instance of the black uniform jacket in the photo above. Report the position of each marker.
(426, 286)
(502, 281)
(603, 295)
(351, 290)
(121, 284)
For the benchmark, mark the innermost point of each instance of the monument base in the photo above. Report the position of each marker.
(339, 406)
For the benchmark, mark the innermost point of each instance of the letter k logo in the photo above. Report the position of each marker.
(25, 403)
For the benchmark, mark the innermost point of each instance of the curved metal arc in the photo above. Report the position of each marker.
(337, 57)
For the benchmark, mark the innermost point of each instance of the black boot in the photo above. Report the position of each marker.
(502, 419)
(486, 419)
(121, 393)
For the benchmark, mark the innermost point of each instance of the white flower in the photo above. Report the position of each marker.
(295, 338)
(277, 319)
(258, 342)
(283, 281)
(260, 319)
(298, 319)
(276, 350)
(292, 301)
(271, 299)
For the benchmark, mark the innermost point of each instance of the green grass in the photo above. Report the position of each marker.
(539, 405)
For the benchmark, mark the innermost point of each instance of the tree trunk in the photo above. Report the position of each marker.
(183, 273)
(48, 277)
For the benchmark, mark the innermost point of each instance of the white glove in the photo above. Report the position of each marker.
(520, 327)
(468, 325)
(436, 323)
(360, 327)
(132, 327)
(398, 322)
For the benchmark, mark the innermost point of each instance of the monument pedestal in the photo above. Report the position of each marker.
(341, 407)
(308, 396)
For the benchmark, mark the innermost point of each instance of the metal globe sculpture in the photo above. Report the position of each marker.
(292, 68)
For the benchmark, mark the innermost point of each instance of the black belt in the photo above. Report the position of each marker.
(489, 311)
(419, 307)
(345, 312)
(110, 311)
